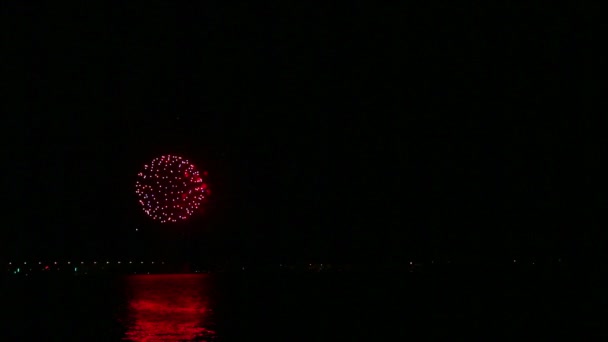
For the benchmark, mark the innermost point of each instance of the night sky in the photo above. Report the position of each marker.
(329, 133)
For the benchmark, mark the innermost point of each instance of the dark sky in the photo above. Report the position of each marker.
(350, 133)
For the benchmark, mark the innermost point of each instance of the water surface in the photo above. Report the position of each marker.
(310, 307)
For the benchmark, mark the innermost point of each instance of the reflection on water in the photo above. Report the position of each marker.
(168, 308)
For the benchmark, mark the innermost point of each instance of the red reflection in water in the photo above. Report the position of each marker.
(168, 308)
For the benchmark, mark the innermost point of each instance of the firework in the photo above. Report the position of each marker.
(170, 189)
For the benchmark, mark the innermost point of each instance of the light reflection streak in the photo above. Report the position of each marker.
(168, 308)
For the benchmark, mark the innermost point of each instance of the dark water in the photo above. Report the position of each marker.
(311, 307)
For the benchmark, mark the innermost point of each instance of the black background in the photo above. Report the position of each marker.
(330, 133)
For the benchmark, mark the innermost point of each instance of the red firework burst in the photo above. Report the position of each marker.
(170, 188)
